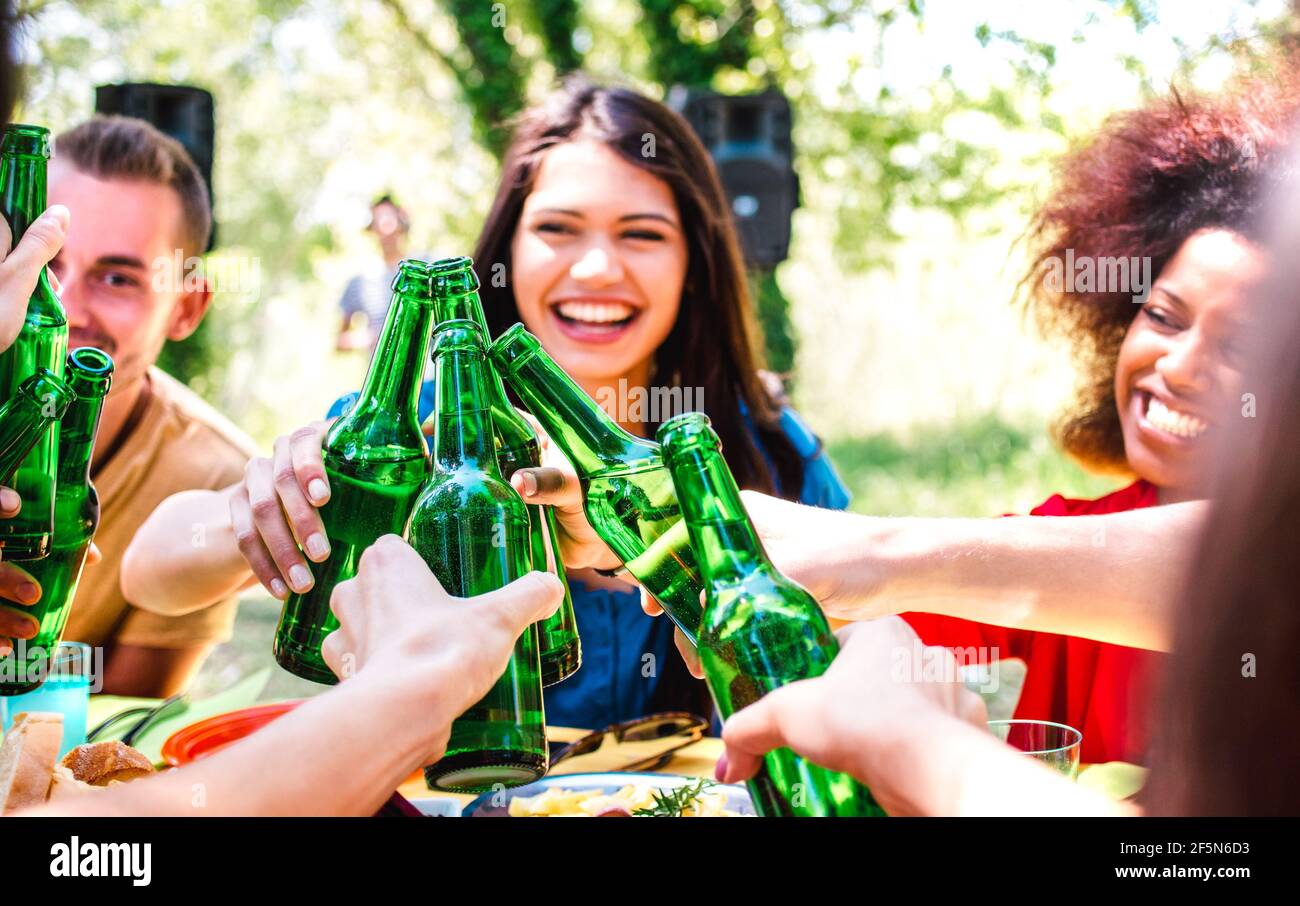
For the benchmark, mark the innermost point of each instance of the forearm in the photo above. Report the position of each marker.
(947, 767)
(185, 556)
(341, 753)
(1110, 578)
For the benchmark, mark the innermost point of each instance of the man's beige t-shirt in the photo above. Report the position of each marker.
(177, 443)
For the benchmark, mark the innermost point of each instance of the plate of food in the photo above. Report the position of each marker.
(610, 795)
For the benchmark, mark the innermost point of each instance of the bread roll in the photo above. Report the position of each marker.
(101, 763)
(27, 759)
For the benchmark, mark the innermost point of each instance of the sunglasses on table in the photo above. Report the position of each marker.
(643, 744)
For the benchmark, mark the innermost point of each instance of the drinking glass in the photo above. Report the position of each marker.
(1056, 745)
(66, 690)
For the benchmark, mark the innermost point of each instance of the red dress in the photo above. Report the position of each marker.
(1101, 689)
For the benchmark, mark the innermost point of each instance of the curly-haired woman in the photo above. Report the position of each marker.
(1176, 186)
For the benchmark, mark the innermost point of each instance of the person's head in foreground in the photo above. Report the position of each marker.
(1229, 739)
(1168, 196)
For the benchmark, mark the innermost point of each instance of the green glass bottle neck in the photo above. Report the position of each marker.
(77, 433)
(463, 429)
(514, 430)
(461, 307)
(397, 368)
(591, 440)
(726, 544)
(22, 190)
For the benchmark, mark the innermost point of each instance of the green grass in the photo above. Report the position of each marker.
(982, 467)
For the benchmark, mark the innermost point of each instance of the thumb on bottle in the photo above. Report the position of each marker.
(40, 243)
(526, 600)
(751, 733)
(22, 267)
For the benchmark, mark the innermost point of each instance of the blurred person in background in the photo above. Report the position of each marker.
(365, 299)
(628, 269)
(137, 199)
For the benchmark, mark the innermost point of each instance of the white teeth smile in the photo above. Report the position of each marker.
(1179, 424)
(595, 312)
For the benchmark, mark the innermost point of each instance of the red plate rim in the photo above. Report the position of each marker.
(211, 734)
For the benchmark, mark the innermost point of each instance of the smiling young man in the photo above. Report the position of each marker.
(136, 197)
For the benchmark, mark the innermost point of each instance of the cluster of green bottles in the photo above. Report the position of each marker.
(49, 468)
(376, 462)
(476, 538)
(670, 511)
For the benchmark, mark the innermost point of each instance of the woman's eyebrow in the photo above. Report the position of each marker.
(569, 211)
(1171, 295)
(649, 215)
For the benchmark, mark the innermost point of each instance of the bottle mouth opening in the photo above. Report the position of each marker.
(91, 360)
(26, 140)
(453, 276)
(449, 265)
(514, 348)
(460, 334)
(687, 429)
(413, 278)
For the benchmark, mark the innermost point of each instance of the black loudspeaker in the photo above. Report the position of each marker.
(748, 137)
(181, 111)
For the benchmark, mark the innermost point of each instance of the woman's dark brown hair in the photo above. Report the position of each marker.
(713, 345)
(1229, 728)
(1139, 188)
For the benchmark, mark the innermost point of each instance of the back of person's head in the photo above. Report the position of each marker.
(1229, 725)
(125, 148)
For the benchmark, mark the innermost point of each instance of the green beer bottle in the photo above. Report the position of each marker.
(627, 493)
(41, 343)
(76, 516)
(472, 528)
(455, 295)
(760, 629)
(375, 461)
